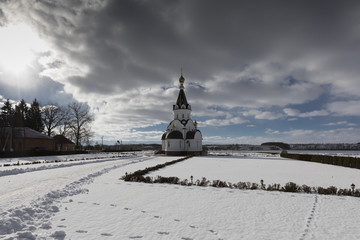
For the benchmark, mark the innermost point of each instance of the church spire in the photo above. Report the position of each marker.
(181, 80)
(181, 100)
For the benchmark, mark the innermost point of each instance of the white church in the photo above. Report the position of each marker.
(182, 136)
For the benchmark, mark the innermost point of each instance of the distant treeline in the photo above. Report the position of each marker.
(72, 121)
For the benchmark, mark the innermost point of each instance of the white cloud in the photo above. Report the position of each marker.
(346, 123)
(292, 119)
(296, 113)
(262, 115)
(222, 122)
(291, 112)
(271, 131)
(345, 108)
(340, 135)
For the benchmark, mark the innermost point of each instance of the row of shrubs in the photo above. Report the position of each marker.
(288, 187)
(138, 176)
(351, 162)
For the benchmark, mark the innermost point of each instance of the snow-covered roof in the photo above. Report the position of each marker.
(26, 132)
(62, 140)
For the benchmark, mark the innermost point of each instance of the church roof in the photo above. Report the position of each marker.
(191, 134)
(181, 99)
(174, 135)
(163, 136)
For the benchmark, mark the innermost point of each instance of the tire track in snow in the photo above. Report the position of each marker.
(311, 220)
(22, 221)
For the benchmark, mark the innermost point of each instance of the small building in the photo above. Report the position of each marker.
(19, 139)
(63, 144)
(182, 136)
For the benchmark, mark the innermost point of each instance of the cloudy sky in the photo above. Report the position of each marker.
(255, 71)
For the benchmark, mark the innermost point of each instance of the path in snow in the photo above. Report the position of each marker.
(31, 198)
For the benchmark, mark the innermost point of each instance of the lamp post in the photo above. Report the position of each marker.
(353, 187)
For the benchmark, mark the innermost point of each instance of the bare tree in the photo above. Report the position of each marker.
(53, 117)
(79, 122)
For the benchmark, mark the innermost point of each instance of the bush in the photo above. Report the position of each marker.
(172, 180)
(290, 187)
(306, 188)
(327, 191)
(344, 192)
(240, 185)
(254, 186)
(219, 183)
(202, 183)
(184, 182)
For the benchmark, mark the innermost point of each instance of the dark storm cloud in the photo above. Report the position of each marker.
(130, 44)
(248, 54)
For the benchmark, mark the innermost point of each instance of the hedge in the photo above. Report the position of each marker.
(351, 162)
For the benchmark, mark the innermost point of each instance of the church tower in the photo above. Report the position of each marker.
(182, 136)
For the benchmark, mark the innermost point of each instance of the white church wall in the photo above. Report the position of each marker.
(181, 114)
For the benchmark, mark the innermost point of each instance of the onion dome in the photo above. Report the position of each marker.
(181, 79)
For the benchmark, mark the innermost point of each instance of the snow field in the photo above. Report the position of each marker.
(121, 210)
(271, 169)
(89, 201)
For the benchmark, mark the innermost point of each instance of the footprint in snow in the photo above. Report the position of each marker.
(156, 216)
(127, 208)
(61, 226)
(163, 233)
(81, 231)
(106, 234)
(192, 226)
(143, 211)
(96, 203)
(185, 238)
(213, 231)
(176, 220)
(135, 237)
(46, 226)
(113, 205)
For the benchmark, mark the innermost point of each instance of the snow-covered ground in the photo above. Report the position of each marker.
(271, 169)
(89, 201)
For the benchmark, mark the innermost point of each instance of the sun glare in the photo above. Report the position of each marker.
(19, 45)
